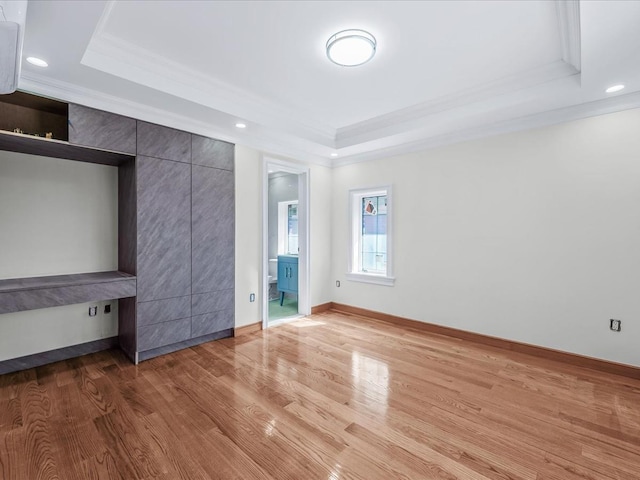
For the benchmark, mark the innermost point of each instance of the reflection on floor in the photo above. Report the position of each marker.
(288, 308)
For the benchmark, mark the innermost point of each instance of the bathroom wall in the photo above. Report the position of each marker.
(283, 187)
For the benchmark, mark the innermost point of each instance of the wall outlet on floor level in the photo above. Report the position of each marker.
(615, 325)
(337, 283)
(252, 297)
(93, 311)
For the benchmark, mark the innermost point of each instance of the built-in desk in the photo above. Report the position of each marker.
(31, 293)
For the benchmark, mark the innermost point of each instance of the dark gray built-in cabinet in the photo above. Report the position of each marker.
(177, 231)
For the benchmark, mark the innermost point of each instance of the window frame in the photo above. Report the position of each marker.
(355, 236)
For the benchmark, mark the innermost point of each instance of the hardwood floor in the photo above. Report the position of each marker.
(329, 397)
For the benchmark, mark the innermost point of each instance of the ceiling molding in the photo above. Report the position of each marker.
(568, 13)
(59, 90)
(123, 59)
(412, 117)
(539, 120)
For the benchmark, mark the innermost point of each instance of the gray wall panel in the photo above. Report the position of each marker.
(213, 229)
(95, 128)
(166, 333)
(163, 142)
(164, 229)
(212, 153)
(157, 311)
(212, 322)
(212, 302)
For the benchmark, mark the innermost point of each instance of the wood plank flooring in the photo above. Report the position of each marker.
(329, 397)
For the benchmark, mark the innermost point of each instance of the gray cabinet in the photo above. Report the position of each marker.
(95, 128)
(209, 152)
(163, 142)
(164, 229)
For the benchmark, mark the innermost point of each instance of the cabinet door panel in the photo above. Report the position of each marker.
(213, 229)
(95, 128)
(212, 322)
(166, 333)
(212, 153)
(212, 302)
(163, 142)
(164, 229)
(158, 311)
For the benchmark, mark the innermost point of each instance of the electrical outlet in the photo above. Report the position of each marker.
(107, 308)
(337, 283)
(252, 297)
(93, 311)
(615, 325)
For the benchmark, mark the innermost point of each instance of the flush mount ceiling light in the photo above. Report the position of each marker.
(615, 88)
(38, 62)
(351, 48)
(241, 125)
(334, 154)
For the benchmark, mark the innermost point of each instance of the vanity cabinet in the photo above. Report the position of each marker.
(287, 275)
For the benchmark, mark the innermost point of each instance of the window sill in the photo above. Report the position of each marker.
(371, 278)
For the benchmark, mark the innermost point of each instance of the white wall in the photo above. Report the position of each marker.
(248, 177)
(56, 217)
(532, 236)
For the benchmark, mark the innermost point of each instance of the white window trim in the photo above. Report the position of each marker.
(355, 233)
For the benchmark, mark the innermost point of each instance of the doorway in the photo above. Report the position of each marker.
(285, 242)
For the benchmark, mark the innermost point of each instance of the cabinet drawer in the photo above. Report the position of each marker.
(161, 334)
(212, 302)
(212, 322)
(158, 311)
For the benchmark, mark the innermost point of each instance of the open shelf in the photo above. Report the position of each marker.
(20, 143)
(34, 115)
(19, 294)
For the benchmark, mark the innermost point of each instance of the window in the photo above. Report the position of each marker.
(370, 245)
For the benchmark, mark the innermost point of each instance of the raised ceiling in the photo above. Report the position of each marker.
(444, 71)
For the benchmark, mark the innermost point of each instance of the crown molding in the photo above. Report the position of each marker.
(416, 115)
(528, 122)
(67, 92)
(568, 13)
(118, 57)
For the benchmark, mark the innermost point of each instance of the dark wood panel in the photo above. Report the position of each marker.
(127, 218)
(127, 327)
(210, 152)
(158, 311)
(14, 142)
(44, 358)
(36, 283)
(212, 322)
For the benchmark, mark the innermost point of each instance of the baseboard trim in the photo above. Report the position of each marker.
(52, 356)
(324, 307)
(247, 329)
(600, 365)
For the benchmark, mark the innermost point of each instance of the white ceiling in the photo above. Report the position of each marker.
(443, 72)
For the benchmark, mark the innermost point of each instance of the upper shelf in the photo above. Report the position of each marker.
(20, 143)
(18, 294)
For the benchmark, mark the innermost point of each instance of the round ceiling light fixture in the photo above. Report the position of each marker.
(615, 88)
(38, 62)
(350, 48)
(241, 125)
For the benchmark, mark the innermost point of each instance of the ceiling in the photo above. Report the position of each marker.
(443, 71)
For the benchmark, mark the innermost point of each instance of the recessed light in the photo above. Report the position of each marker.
(38, 62)
(241, 125)
(351, 48)
(615, 88)
(334, 154)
